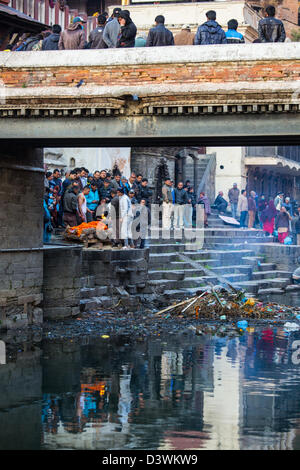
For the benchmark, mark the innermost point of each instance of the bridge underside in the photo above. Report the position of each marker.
(209, 130)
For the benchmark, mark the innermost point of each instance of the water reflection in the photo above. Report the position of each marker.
(177, 393)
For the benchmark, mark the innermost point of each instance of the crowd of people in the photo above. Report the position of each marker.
(119, 31)
(86, 197)
(279, 216)
(83, 197)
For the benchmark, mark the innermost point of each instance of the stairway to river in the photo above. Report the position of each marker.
(181, 268)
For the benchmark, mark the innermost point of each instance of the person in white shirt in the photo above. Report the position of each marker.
(242, 208)
(126, 217)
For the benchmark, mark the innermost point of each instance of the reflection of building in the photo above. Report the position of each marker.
(20, 395)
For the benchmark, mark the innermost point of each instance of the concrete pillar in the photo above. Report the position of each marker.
(21, 237)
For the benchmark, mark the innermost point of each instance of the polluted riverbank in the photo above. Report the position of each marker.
(222, 312)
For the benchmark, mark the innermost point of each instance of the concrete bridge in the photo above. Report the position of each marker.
(196, 95)
(205, 96)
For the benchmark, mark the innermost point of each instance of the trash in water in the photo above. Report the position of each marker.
(290, 326)
(105, 336)
(242, 324)
(218, 302)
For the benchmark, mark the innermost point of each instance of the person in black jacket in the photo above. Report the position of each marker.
(221, 203)
(160, 35)
(144, 192)
(96, 40)
(50, 43)
(181, 198)
(271, 29)
(210, 32)
(126, 37)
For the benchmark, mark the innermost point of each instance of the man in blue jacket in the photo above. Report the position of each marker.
(210, 32)
(50, 43)
(232, 35)
(92, 201)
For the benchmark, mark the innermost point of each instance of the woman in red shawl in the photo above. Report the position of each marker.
(267, 217)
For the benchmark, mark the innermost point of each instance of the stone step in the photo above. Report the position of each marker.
(235, 240)
(194, 281)
(166, 274)
(292, 287)
(272, 290)
(266, 266)
(201, 281)
(234, 269)
(87, 292)
(231, 235)
(208, 263)
(89, 305)
(87, 281)
(271, 274)
(167, 248)
(219, 254)
(161, 259)
(263, 284)
(251, 260)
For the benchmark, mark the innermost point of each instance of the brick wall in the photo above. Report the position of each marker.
(214, 72)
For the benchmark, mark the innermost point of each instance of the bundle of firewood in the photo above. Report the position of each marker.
(89, 233)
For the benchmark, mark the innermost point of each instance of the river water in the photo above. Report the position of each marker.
(181, 392)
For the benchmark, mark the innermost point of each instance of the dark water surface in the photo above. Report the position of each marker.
(187, 392)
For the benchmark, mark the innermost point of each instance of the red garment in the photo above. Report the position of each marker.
(282, 236)
(268, 226)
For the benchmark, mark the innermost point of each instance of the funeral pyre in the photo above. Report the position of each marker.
(96, 232)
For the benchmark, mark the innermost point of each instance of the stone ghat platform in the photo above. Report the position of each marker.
(58, 281)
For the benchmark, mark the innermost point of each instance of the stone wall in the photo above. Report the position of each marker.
(21, 255)
(285, 256)
(116, 268)
(61, 285)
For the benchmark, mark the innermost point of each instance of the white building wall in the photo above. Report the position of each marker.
(230, 168)
(91, 158)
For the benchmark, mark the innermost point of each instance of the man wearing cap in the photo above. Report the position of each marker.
(112, 29)
(185, 37)
(73, 37)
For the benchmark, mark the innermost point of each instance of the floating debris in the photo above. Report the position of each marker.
(226, 304)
